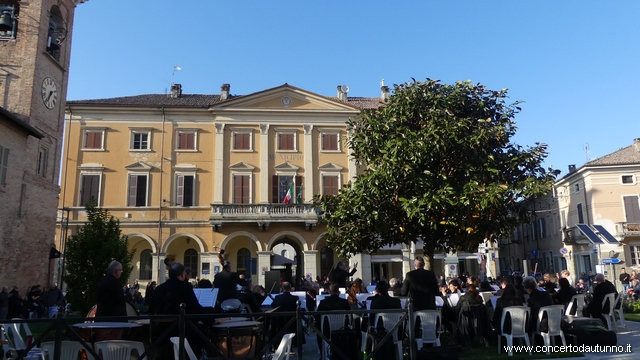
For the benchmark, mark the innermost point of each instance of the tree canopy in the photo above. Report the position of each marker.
(439, 166)
(88, 253)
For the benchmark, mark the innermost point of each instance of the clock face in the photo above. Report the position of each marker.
(49, 93)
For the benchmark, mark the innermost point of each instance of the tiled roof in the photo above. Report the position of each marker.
(196, 100)
(624, 156)
(14, 119)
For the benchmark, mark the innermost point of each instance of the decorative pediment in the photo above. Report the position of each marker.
(285, 97)
(139, 166)
(286, 166)
(330, 167)
(242, 166)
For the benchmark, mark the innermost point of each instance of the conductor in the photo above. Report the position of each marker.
(340, 274)
(226, 282)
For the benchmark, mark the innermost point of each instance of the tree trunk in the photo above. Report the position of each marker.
(428, 248)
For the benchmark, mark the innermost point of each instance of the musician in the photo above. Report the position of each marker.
(284, 302)
(421, 285)
(340, 274)
(166, 300)
(226, 282)
(382, 300)
(111, 299)
(602, 288)
(537, 299)
(248, 298)
(333, 302)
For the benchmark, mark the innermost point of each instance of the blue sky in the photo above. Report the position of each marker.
(575, 64)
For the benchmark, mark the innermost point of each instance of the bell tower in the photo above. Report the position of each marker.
(35, 46)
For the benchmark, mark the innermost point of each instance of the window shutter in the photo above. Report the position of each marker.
(274, 189)
(188, 191)
(237, 189)
(325, 145)
(245, 189)
(334, 142)
(191, 141)
(133, 187)
(88, 140)
(141, 191)
(298, 182)
(290, 142)
(631, 208)
(179, 190)
(97, 140)
(89, 188)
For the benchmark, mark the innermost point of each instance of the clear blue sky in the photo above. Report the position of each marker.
(575, 64)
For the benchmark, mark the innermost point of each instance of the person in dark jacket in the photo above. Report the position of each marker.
(333, 302)
(340, 274)
(226, 282)
(565, 294)
(285, 302)
(602, 288)
(508, 298)
(166, 300)
(537, 299)
(421, 285)
(111, 299)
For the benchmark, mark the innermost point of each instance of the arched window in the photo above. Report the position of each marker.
(146, 265)
(9, 10)
(191, 261)
(243, 257)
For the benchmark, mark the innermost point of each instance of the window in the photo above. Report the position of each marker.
(330, 142)
(330, 184)
(89, 189)
(191, 261)
(137, 190)
(243, 258)
(140, 139)
(282, 184)
(4, 165)
(635, 254)
(94, 139)
(8, 21)
(185, 189)
(542, 228)
(628, 180)
(242, 140)
(43, 158)
(241, 189)
(146, 263)
(580, 215)
(186, 140)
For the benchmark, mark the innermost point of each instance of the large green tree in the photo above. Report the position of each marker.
(88, 253)
(439, 166)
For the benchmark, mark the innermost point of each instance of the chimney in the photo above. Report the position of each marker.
(636, 144)
(224, 91)
(572, 168)
(176, 90)
(385, 93)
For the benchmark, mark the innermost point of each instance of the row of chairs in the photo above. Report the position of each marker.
(520, 317)
(283, 351)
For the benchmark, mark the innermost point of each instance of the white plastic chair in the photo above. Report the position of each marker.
(554, 320)
(187, 348)
(118, 349)
(519, 320)
(18, 341)
(577, 301)
(335, 322)
(618, 311)
(610, 317)
(68, 350)
(430, 324)
(389, 321)
(5, 343)
(284, 349)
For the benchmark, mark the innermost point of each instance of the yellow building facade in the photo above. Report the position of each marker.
(188, 175)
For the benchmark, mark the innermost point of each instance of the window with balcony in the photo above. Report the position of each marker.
(241, 189)
(286, 187)
(631, 208)
(138, 185)
(580, 215)
(330, 184)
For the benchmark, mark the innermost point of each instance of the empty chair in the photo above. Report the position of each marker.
(284, 349)
(554, 315)
(429, 324)
(118, 349)
(389, 321)
(617, 310)
(329, 323)
(68, 350)
(519, 319)
(575, 306)
(187, 348)
(610, 317)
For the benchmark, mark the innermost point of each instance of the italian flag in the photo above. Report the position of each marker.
(289, 195)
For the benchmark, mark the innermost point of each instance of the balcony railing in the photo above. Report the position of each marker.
(264, 213)
(627, 229)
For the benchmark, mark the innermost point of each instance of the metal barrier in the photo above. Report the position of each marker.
(184, 321)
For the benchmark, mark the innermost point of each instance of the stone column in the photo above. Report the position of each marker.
(161, 268)
(311, 264)
(155, 265)
(218, 184)
(309, 168)
(264, 165)
(264, 262)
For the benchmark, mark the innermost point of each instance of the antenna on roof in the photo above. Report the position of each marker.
(175, 68)
(586, 150)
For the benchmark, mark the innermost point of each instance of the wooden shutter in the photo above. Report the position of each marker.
(133, 189)
(245, 189)
(188, 191)
(237, 189)
(290, 145)
(191, 141)
(274, 189)
(179, 190)
(298, 183)
(329, 185)
(632, 208)
(89, 188)
(88, 140)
